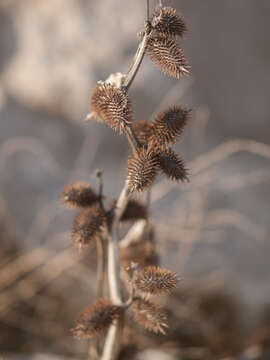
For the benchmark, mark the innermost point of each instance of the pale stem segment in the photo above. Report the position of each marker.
(132, 138)
(100, 267)
(113, 338)
(137, 63)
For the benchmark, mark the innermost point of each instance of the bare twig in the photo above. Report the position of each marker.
(100, 266)
(212, 157)
(134, 234)
(132, 138)
(136, 63)
(112, 342)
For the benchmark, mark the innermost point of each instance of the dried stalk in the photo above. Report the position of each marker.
(100, 267)
(147, 10)
(139, 55)
(112, 342)
(111, 104)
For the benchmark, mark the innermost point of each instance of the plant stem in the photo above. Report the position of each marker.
(136, 63)
(113, 338)
(132, 138)
(112, 342)
(147, 10)
(100, 267)
(111, 346)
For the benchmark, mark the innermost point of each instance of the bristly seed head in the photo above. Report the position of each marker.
(96, 319)
(168, 56)
(142, 169)
(173, 166)
(112, 106)
(168, 125)
(155, 280)
(149, 315)
(143, 131)
(167, 22)
(135, 210)
(78, 195)
(88, 225)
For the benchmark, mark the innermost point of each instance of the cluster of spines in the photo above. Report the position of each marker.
(88, 225)
(162, 47)
(157, 137)
(112, 106)
(168, 125)
(168, 56)
(91, 219)
(149, 315)
(154, 280)
(142, 169)
(173, 166)
(96, 319)
(167, 22)
(78, 195)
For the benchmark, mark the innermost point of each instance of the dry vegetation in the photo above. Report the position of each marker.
(43, 289)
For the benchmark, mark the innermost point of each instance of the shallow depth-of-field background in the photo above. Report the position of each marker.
(214, 231)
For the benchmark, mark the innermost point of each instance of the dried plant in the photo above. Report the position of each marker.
(168, 56)
(168, 126)
(167, 22)
(149, 315)
(142, 169)
(135, 210)
(154, 280)
(173, 166)
(143, 131)
(112, 106)
(88, 225)
(151, 154)
(96, 319)
(78, 195)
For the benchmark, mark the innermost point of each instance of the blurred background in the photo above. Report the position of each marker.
(213, 231)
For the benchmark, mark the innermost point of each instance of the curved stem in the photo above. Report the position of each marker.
(132, 138)
(113, 338)
(137, 63)
(112, 342)
(100, 267)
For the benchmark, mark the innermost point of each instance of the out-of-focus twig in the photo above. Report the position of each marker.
(205, 161)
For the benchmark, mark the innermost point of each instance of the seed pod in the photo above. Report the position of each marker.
(78, 194)
(168, 125)
(173, 166)
(168, 56)
(112, 106)
(143, 131)
(135, 210)
(88, 225)
(149, 315)
(155, 280)
(142, 169)
(96, 319)
(167, 22)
